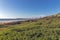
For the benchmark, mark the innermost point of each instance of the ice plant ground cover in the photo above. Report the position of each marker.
(46, 28)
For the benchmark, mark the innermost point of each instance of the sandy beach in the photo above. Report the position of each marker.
(9, 22)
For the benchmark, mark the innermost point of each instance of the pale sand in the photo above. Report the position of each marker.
(6, 22)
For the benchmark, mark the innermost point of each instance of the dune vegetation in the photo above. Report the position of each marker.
(46, 28)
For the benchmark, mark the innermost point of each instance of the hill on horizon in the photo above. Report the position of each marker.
(46, 28)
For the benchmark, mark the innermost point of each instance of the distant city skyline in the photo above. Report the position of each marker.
(28, 8)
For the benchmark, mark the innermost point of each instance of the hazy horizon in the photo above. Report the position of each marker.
(28, 8)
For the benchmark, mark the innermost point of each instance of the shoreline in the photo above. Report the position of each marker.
(10, 22)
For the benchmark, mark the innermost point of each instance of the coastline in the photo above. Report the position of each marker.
(11, 22)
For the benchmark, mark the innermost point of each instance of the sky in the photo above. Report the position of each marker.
(28, 8)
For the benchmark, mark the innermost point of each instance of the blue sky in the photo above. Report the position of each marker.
(28, 8)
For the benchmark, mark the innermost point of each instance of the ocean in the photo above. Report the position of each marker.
(10, 20)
